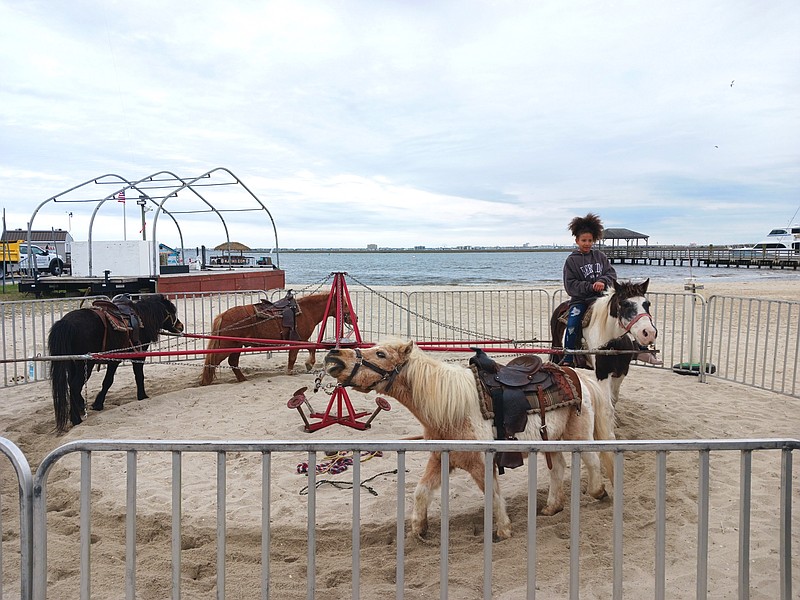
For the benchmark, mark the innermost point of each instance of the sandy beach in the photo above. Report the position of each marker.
(654, 404)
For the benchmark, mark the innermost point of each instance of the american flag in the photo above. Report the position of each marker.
(121, 197)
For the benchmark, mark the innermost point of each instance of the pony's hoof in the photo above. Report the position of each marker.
(145, 397)
(420, 530)
(499, 536)
(309, 367)
(96, 406)
(549, 511)
(600, 495)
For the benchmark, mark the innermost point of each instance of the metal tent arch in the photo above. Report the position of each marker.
(173, 184)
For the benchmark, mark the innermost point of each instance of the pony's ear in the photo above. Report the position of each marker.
(405, 349)
(617, 285)
(644, 285)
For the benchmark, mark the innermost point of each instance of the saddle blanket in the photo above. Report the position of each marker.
(564, 392)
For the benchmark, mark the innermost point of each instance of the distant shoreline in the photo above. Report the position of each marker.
(414, 250)
(461, 250)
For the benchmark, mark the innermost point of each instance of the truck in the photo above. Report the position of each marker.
(14, 258)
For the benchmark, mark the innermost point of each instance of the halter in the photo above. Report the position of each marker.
(173, 319)
(387, 376)
(633, 321)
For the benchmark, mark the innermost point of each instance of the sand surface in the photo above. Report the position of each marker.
(654, 404)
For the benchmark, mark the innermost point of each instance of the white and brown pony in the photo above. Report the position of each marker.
(619, 319)
(445, 399)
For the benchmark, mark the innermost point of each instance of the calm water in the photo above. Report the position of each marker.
(481, 268)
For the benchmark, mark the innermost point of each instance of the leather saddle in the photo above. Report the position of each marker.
(120, 317)
(113, 315)
(562, 313)
(525, 384)
(286, 309)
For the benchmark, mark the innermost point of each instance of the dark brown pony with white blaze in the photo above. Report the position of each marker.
(619, 319)
(84, 331)
(243, 322)
(445, 400)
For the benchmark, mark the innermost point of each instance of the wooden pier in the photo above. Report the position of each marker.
(702, 256)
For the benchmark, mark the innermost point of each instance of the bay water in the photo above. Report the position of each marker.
(535, 269)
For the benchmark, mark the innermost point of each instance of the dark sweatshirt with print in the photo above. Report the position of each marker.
(582, 270)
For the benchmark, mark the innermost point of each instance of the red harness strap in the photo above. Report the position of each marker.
(627, 327)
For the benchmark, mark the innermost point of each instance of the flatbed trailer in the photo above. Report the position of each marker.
(47, 285)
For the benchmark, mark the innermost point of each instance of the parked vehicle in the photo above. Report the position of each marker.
(14, 257)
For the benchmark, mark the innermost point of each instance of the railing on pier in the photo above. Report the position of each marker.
(703, 256)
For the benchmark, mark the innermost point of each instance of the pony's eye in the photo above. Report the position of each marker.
(380, 354)
(646, 305)
(627, 310)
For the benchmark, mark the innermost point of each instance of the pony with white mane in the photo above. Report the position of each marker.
(619, 319)
(445, 399)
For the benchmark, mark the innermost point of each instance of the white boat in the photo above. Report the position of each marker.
(781, 240)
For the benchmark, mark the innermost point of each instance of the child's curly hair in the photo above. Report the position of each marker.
(591, 223)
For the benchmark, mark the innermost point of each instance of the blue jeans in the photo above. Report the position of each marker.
(572, 338)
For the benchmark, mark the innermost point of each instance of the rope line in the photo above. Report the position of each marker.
(423, 317)
(348, 485)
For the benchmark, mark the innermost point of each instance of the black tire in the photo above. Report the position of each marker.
(56, 267)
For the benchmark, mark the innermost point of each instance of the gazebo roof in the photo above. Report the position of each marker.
(233, 246)
(620, 233)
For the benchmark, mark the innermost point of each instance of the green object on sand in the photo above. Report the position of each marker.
(687, 368)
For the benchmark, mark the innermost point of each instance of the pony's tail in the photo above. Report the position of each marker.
(58, 345)
(556, 334)
(211, 362)
(605, 420)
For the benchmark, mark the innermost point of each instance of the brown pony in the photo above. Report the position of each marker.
(242, 322)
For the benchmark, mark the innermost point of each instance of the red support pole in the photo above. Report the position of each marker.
(348, 417)
(340, 294)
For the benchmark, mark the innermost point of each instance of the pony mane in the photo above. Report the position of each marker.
(444, 394)
(153, 310)
(608, 304)
(628, 289)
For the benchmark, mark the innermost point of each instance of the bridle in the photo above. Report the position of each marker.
(173, 321)
(633, 321)
(387, 376)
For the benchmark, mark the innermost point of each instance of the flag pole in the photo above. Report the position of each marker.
(121, 198)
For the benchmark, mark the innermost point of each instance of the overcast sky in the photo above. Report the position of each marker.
(406, 123)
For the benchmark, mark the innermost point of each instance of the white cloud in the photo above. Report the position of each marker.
(414, 123)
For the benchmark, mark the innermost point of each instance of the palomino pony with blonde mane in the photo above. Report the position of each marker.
(244, 322)
(619, 319)
(445, 400)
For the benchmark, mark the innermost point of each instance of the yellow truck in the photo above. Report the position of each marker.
(14, 257)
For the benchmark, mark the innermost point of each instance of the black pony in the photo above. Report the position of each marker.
(87, 331)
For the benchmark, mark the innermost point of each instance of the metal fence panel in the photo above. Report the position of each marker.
(24, 325)
(755, 342)
(519, 315)
(747, 340)
(256, 540)
(16, 503)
